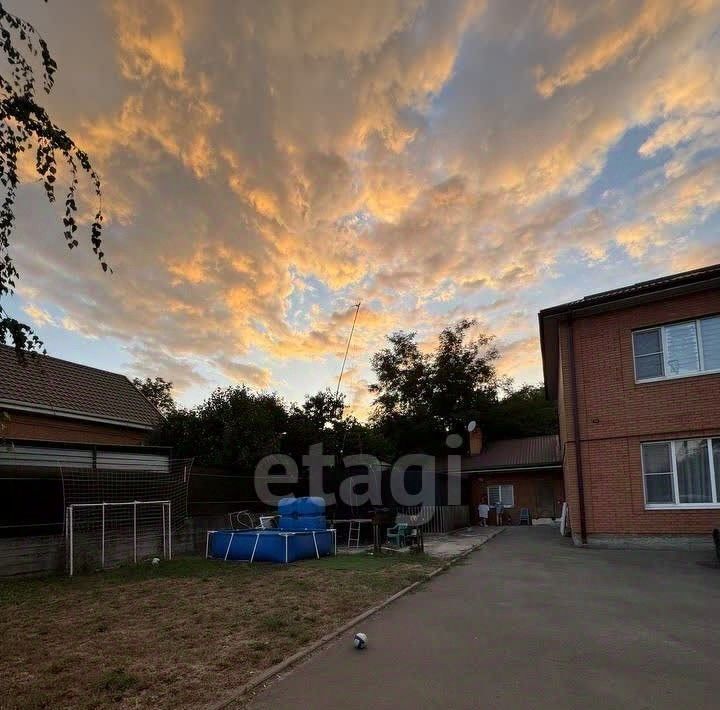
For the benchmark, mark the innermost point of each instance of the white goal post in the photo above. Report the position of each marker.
(107, 534)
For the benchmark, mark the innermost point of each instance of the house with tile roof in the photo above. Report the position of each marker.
(516, 473)
(49, 399)
(59, 422)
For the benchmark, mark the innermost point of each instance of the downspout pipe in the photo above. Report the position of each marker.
(576, 427)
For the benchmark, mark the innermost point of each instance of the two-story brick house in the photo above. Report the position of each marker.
(636, 373)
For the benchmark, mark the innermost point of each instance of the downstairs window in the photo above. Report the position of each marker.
(504, 494)
(683, 473)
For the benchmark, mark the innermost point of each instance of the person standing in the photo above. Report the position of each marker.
(483, 512)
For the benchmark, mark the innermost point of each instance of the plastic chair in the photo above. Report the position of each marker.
(398, 534)
(525, 516)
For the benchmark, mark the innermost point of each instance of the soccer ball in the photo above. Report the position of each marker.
(156, 560)
(360, 641)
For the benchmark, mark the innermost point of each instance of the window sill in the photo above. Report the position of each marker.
(682, 506)
(671, 378)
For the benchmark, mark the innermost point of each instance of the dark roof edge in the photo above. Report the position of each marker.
(508, 468)
(632, 292)
(514, 467)
(120, 448)
(616, 299)
(19, 406)
(152, 404)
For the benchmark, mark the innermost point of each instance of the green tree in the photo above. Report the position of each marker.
(465, 382)
(182, 429)
(523, 412)
(26, 126)
(404, 379)
(323, 410)
(421, 397)
(158, 392)
(234, 427)
(240, 426)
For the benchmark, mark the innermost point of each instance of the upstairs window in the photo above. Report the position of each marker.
(648, 354)
(710, 338)
(677, 350)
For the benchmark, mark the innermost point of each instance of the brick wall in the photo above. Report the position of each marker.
(524, 489)
(616, 415)
(41, 427)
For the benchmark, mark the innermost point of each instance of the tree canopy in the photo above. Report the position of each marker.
(523, 412)
(237, 426)
(420, 397)
(26, 127)
(158, 392)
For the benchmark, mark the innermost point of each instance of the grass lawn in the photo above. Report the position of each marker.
(177, 635)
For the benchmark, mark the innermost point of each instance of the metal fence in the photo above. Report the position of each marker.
(438, 518)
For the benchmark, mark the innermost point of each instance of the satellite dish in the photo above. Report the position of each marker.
(471, 426)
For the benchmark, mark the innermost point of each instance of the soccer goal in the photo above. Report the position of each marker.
(101, 535)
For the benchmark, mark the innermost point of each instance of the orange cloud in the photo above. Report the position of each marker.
(268, 164)
(245, 373)
(150, 35)
(622, 36)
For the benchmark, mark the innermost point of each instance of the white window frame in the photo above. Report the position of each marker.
(500, 486)
(676, 489)
(663, 339)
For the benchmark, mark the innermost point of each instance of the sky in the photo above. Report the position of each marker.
(266, 165)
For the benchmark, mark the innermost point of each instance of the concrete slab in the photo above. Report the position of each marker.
(448, 546)
(530, 621)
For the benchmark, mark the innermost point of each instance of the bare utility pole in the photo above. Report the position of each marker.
(347, 349)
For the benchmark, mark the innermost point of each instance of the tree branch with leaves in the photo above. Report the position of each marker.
(26, 126)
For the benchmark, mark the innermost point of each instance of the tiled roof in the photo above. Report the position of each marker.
(516, 453)
(54, 386)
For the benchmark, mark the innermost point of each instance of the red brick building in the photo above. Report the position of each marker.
(74, 434)
(636, 374)
(59, 417)
(49, 399)
(519, 473)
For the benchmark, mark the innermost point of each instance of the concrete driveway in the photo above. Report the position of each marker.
(529, 621)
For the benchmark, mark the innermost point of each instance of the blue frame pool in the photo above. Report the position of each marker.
(269, 545)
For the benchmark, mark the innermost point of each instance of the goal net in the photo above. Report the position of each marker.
(100, 535)
(124, 514)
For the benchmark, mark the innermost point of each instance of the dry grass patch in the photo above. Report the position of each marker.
(178, 635)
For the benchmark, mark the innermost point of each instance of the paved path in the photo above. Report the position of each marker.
(446, 547)
(529, 621)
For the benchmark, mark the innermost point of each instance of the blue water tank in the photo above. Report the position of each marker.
(302, 522)
(310, 505)
(306, 513)
(288, 506)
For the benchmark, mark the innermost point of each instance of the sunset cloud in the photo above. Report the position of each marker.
(267, 165)
(39, 316)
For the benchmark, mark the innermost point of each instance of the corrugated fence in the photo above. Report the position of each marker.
(438, 518)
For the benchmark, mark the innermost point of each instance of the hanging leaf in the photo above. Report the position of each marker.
(25, 125)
